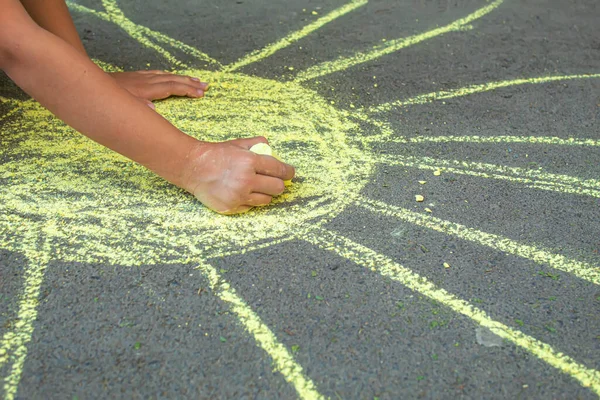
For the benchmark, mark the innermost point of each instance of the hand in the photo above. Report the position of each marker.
(154, 85)
(230, 179)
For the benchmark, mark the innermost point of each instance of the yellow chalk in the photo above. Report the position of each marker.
(262, 148)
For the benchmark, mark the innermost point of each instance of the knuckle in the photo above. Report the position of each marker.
(282, 170)
(280, 186)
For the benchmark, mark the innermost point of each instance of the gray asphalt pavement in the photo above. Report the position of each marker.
(489, 288)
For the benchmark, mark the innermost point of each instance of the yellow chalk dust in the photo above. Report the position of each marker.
(60, 172)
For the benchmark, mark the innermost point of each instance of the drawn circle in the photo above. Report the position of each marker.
(57, 172)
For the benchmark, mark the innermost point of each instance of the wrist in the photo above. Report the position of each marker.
(188, 169)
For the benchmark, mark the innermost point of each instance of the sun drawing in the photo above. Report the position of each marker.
(74, 200)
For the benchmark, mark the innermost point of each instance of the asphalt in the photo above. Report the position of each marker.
(162, 329)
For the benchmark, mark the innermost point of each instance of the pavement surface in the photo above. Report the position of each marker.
(114, 284)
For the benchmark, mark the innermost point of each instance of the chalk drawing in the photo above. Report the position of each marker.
(92, 205)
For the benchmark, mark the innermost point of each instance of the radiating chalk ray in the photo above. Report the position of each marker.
(142, 34)
(391, 46)
(550, 140)
(13, 345)
(473, 89)
(537, 254)
(269, 50)
(6, 100)
(531, 178)
(283, 360)
(117, 15)
(107, 67)
(368, 258)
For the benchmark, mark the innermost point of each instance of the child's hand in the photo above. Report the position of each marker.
(154, 85)
(230, 179)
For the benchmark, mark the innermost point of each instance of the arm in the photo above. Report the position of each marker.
(54, 16)
(224, 176)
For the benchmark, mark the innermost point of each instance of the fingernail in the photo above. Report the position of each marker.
(200, 92)
(204, 84)
(196, 79)
(151, 105)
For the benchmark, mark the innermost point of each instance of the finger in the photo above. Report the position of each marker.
(171, 88)
(270, 166)
(154, 72)
(267, 185)
(258, 199)
(180, 79)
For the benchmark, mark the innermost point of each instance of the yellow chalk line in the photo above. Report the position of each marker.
(366, 257)
(583, 270)
(553, 140)
(13, 346)
(269, 50)
(473, 89)
(107, 67)
(8, 101)
(391, 46)
(136, 31)
(141, 33)
(114, 15)
(531, 178)
(282, 358)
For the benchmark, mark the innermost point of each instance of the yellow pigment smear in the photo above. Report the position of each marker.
(552, 140)
(473, 89)
(67, 176)
(371, 260)
(531, 178)
(583, 270)
(388, 47)
(282, 358)
(13, 346)
(269, 50)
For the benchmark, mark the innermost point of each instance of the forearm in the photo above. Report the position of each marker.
(74, 89)
(54, 16)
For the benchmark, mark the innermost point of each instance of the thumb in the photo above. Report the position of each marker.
(145, 101)
(148, 103)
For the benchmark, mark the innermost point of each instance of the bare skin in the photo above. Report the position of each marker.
(225, 176)
(54, 16)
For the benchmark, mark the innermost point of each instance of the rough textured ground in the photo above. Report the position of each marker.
(110, 312)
